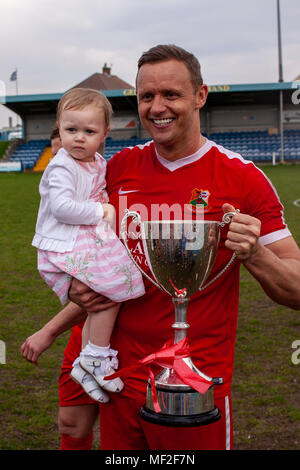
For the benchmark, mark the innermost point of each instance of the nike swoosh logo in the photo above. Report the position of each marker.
(129, 191)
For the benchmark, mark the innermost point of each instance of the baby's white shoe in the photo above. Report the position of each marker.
(89, 384)
(101, 366)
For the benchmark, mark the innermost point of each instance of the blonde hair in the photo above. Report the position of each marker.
(78, 98)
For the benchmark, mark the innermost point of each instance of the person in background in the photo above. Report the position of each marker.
(55, 141)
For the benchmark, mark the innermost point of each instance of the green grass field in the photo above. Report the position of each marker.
(266, 384)
(3, 147)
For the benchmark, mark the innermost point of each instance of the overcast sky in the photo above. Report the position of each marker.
(54, 44)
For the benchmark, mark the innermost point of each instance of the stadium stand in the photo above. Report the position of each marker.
(29, 153)
(43, 160)
(245, 118)
(258, 146)
(114, 146)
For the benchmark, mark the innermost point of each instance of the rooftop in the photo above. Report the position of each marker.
(104, 81)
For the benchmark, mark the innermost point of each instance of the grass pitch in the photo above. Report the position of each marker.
(266, 401)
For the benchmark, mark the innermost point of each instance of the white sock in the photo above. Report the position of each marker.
(96, 351)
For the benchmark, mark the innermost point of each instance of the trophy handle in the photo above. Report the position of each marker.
(136, 218)
(227, 218)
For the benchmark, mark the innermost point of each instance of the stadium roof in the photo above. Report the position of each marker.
(124, 99)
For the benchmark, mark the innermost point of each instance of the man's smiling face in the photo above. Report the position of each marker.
(169, 107)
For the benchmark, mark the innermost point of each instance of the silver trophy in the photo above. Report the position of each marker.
(180, 255)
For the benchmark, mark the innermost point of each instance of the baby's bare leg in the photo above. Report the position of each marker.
(98, 326)
(101, 324)
(97, 358)
(85, 332)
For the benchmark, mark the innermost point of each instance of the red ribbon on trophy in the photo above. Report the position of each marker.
(171, 356)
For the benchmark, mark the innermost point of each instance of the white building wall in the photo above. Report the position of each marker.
(242, 118)
(38, 126)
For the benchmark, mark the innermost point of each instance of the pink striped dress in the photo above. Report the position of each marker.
(99, 259)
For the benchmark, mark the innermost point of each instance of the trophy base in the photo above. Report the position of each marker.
(180, 405)
(180, 421)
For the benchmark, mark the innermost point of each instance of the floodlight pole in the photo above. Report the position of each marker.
(280, 80)
(279, 43)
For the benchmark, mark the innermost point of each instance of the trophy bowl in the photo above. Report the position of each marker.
(180, 255)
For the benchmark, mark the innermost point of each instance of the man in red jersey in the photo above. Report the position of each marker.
(180, 167)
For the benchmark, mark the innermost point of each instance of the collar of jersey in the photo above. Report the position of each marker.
(172, 166)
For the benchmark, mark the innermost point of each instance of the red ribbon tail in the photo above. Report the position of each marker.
(191, 378)
(154, 392)
(121, 372)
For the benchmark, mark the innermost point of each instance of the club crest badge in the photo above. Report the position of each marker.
(199, 197)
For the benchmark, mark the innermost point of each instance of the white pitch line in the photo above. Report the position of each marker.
(297, 203)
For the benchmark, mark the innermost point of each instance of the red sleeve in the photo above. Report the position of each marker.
(262, 201)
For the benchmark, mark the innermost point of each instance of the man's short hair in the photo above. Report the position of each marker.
(163, 52)
(78, 98)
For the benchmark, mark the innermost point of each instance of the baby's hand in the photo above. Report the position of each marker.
(36, 344)
(109, 214)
